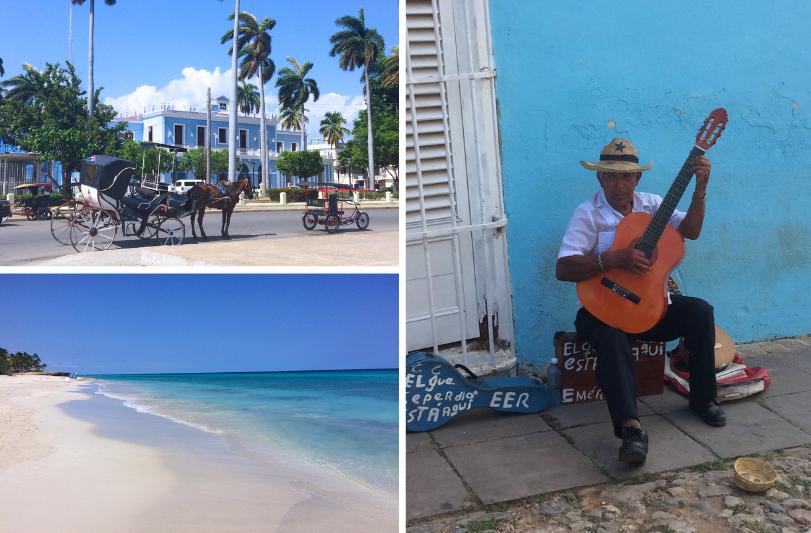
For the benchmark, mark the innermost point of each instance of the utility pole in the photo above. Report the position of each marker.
(208, 137)
(232, 116)
(70, 32)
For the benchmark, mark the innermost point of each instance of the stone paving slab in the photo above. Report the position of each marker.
(522, 466)
(669, 448)
(418, 441)
(785, 370)
(667, 402)
(485, 424)
(580, 414)
(432, 487)
(750, 428)
(796, 408)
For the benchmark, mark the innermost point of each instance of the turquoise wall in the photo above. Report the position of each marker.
(570, 76)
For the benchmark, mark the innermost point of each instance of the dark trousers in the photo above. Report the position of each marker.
(691, 318)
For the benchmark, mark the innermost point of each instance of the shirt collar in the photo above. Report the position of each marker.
(601, 201)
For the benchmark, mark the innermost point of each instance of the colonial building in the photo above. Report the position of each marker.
(188, 129)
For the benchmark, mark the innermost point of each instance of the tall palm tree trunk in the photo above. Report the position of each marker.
(303, 127)
(263, 148)
(232, 116)
(90, 91)
(370, 182)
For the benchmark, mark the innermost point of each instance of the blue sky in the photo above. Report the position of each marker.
(149, 43)
(122, 323)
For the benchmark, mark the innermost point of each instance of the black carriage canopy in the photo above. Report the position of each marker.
(110, 175)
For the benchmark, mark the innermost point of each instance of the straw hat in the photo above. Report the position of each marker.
(617, 156)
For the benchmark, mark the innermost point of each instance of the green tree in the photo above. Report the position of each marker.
(24, 87)
(194, 161)
(56, 125)
(295, 88)
(294, 118)
(302, 164)
(254, 44)
(4, 366)
(359, 46)
(386, 134)
(248, 98)
(91, 104)
(390, 69)
(25, 362)
(333, 130)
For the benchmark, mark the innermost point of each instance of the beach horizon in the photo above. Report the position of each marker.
(96, 463)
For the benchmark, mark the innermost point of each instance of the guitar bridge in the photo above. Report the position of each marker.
(619, 289)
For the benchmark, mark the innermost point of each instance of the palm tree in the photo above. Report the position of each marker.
(24, 87)
(232, 109)
(254, 45)
(333, 130)
(295, 88)
(90, 90)
(390, 69)
(359, 46)
(248, 98)
(293, 118)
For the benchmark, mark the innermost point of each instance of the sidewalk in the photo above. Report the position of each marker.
(367, 248)
(267, 205)
(484, 458)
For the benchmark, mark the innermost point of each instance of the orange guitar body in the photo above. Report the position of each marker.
(620, 309)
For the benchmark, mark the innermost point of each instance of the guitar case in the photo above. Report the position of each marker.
(436, 391)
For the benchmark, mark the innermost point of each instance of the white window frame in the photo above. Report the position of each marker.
(203, 136)
(293, 146)
(247, 140)
(149, 134)
(278, 144)
(219, 142)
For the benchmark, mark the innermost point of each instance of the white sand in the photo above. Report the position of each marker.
(57, 474)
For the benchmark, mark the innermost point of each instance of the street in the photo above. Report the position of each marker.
(23, 242)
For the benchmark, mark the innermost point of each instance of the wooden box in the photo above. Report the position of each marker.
(578, 364)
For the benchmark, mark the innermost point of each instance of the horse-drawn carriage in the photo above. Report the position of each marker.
(328, 209)
(109, 199)
(34, 201)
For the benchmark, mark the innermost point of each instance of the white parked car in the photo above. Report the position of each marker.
(183, 186)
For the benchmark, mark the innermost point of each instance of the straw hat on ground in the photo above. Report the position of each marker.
(618, 156)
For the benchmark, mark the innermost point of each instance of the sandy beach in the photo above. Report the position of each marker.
(60, 472)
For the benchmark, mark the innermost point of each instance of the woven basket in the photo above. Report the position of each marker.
(754, 475)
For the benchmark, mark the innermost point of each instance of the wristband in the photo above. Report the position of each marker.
(600, 262)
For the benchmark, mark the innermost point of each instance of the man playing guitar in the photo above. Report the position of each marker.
(585, 253)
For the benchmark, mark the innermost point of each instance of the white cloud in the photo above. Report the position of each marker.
(189, 91)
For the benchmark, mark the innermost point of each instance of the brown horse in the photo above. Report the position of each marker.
(205, 195)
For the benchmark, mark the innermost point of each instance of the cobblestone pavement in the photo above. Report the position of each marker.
(558, 471)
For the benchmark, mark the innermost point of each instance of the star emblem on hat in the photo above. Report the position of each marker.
(619, 147)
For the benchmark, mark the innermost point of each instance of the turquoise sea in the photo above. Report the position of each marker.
(344, 420)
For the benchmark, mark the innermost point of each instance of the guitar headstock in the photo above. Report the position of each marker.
(713, 125)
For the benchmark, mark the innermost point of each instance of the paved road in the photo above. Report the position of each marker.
(22, 242)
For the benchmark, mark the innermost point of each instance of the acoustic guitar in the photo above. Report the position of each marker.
(632, 302)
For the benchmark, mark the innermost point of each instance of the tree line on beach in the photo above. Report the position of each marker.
(14, 363)
(46, 112)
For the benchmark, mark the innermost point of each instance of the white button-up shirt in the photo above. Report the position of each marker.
(594, 223)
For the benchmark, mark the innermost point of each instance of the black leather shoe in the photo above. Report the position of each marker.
(711, 413)
(634, 447)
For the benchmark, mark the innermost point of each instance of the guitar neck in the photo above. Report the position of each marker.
(657, 225)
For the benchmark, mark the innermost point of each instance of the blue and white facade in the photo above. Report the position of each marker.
(188, 129)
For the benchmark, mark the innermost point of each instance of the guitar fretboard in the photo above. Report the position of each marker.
(657, 225)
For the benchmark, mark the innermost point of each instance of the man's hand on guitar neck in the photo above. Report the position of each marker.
(690, 227)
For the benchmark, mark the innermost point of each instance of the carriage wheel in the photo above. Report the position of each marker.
(332, 222)
(171, 231)
(150, 228)
(93, 230)
(30, 215)
(62, 220)
(363, 220)
(310, 221)
(43, 213)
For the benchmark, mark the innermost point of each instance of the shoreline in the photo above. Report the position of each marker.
(101, 465)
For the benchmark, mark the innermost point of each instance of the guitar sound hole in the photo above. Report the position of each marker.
(652, 256)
